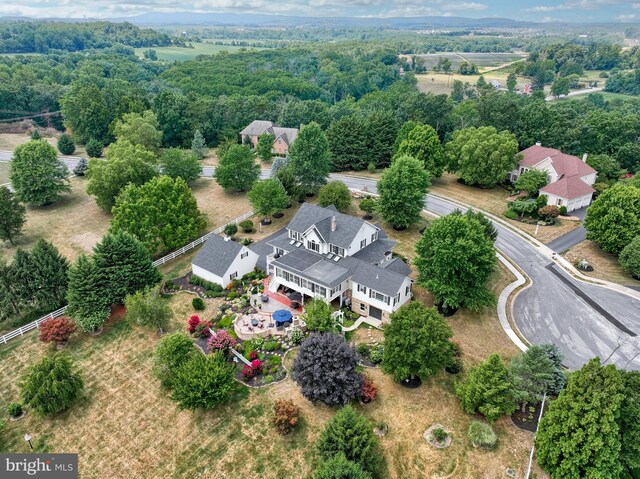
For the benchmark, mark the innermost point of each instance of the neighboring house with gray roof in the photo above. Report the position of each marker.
(325, 253)
(221, 260)
(283, 137)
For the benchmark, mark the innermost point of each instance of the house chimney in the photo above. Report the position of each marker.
(584, 157)
(538, 143)
(333, 223)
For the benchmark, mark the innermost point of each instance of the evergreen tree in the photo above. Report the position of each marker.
(532, 373)
(94, 148)
(350, 433)
(49, 275)
(579, 436)
(512, 82)
(457, 91)
(264, 147)
(630, 420)
(85, 295)
(66, 146)
(488, 390)
(310, 158)
(81, 167)
(51, 386)
(126, 266)
(347, 139)
(416, 342)
(13, 215)
(455, 259)
(268, 197)
(402, 189)
(198, 146)
(36, 174)
(10, 302)
(423, 144)
(339, 467)
(35, 134)
(559, 375)
(237, 169)
(381, 135)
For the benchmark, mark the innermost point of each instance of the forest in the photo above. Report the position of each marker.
(43, 37)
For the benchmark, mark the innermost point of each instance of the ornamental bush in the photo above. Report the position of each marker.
(230, 229)
(480, 434)
(251, 371)
(286, 416)
(66, 145)
(56, 329)
(198, 304)
(630, 258)
(51, 386)
(14, 409)
(549, 212)
(94, 148)
(222, 341)
(369, 390)
(246, 225)
(335, 193)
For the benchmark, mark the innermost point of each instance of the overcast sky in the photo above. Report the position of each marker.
(535, 10)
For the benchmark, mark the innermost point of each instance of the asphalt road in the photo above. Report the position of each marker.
(551, 311)
(583, 319)
(573, 237)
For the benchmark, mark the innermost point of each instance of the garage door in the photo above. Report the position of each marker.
(375, 313)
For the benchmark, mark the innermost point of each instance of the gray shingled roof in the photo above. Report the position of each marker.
(257, 127)
(376, 251)
(314, 267)
(347, 227)
(397, 266)
(382, 280)
(287, 134)
(216, 255)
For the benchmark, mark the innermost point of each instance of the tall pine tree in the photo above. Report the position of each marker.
(87, 303)
(49, 276)
(13, 215)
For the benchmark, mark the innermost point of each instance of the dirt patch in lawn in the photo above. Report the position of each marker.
(10, 141)
(605, 265)
(494, 201)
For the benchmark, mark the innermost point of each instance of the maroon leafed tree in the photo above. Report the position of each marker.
(57, 329)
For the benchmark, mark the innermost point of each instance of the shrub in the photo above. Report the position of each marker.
(296, 336)
(230, 229)
(512, 215)
(14, 409)
(285, 416)
(51, 386)
(253, 355)
(81, 167)
(246, 225)
(198, 304)
(94, 148)
(192, 323)
(335, 193)
(222, 342)
(251, 371)
(56, 330)
(232, 295)
(172, 351)
(225, 322)
(563, 210)
(439, 434)
(271, 346)
(371, 167)
(630, 257)
(480, 434)
(246, 241)
(275, 360)
(202, 329)
(35, 134)
(369, 390)
(363, 350)
(339, 467)
(376, 354)
(203, 382)
(549, 212)
(66, 145)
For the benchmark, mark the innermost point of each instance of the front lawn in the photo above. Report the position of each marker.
(605, 265)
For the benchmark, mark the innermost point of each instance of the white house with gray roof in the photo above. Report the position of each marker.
(339, 257)
(221, 260)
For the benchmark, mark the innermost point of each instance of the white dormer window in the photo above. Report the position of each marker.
(312, 245)
(374, 236)
(363, 243)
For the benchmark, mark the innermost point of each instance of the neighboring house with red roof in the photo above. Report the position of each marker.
(570, 178)
(284, 137)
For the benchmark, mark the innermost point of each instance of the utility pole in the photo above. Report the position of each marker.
(533, 448)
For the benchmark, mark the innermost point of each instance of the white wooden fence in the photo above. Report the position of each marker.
(33, 325)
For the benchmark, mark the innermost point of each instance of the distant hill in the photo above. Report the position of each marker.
(258, 20)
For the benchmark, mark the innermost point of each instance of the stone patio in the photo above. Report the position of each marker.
(259, 323)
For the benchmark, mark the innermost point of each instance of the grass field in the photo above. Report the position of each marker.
(10, 141)
(482, 60)
(182, 54)
(608, 96)
(126, 426)
(439, 83)
(605, 265)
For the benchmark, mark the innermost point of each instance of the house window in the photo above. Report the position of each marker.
(244, 255)
(559, 202)
(362, 289)
(312, 245)
(337, 250)
(295, 235)
(362, 306)
(379, 296)
(396, 300)
(363, 243)
(233, 276)
(406, 291)
(374, 236)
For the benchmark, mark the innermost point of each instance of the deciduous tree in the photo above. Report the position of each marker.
(237, 169)
(264, 147)
(310, 159)
(416, 342)
(630, 257)
(326, 369)
(140, 129)
(51, 385)
(13, 215)
(613, 219)
(317, 315)
(172, 351)
(335, 193)
(126, 163)
(148, 308)
(350, 433)
(268, 197)
(36, 174)
(56, 330)
(423, 144)
(531, 181)
(607, 167)
(402, 188)
(482, 156)
(177, 163)
(455, 260)
(488, 390)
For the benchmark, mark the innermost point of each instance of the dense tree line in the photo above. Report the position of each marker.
(42, 37)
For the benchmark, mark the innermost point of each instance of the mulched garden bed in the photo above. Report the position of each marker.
(528, 420)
